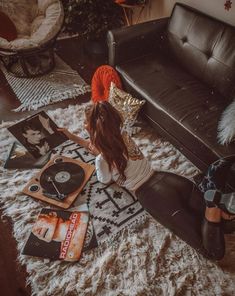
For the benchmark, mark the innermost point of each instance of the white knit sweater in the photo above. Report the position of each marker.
(137, 172)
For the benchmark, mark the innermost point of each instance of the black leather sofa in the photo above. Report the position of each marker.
(184, 67)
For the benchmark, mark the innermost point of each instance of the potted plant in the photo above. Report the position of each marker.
(91, 19)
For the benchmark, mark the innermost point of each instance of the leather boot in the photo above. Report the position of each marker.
(213, 239)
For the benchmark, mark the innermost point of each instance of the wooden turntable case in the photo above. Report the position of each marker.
(67, 202)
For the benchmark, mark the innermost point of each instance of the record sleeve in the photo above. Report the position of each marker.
(61, 235)
(20, 158)
(38, 134)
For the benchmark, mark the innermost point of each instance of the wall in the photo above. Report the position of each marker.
(162, 8)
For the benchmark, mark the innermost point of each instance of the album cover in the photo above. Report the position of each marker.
(20, 158)
(38, 134)
(61, 235)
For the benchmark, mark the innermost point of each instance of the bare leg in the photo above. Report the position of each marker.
(213, 214)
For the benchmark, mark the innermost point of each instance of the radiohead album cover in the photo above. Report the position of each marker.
(38, 134)
(61, 235)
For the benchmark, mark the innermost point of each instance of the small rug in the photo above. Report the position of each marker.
(60, 84)
(111, 207)
(142, 259)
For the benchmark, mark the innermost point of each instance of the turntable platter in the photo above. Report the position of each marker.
(62, 177)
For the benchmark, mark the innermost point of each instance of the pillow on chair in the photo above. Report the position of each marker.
(7, 28)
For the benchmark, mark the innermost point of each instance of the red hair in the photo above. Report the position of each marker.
(105, 125)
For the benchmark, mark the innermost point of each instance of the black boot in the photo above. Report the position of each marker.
(213, 239)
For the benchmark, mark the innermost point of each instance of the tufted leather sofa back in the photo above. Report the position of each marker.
(204, 46)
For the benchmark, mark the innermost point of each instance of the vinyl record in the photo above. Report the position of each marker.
(62, 178)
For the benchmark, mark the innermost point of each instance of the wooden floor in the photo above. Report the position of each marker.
(13, 275)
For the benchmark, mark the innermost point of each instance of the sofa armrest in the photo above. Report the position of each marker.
(131, 42)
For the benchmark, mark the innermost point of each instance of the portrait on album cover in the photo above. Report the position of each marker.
(38, 134)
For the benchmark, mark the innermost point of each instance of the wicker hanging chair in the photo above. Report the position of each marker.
(38, 22)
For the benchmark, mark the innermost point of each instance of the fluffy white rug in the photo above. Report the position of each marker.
(144, 261)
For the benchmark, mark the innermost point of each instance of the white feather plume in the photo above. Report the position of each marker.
(226, 126)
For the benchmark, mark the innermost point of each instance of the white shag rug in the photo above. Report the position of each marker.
(143, 261)
(60, 84)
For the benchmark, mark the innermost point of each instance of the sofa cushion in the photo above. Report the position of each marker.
(7, 27)
(183, 101)
(204, 46)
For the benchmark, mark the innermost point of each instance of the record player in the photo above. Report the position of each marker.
(60, 181)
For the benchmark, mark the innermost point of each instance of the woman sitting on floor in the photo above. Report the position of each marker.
(173, 200)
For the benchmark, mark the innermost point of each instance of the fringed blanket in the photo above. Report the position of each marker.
(60, 84)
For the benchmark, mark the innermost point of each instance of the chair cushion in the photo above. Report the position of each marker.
(44, 4)
(7, 27)
(42, 13)
(180, 100)
(37, 24)
(51, 23)
(20, 13)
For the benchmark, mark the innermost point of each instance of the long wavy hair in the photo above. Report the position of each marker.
(104, 126)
